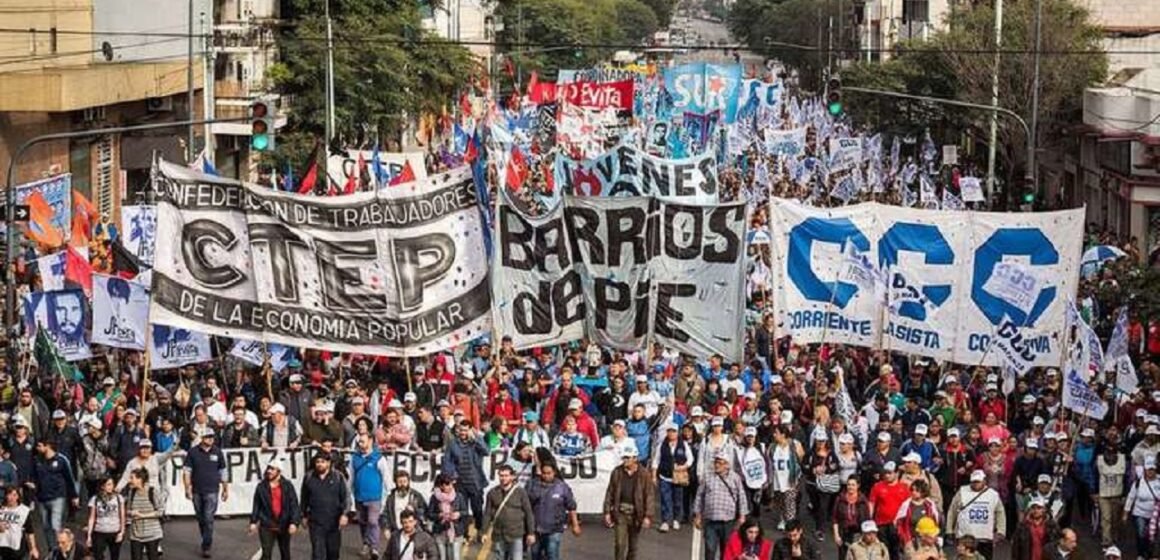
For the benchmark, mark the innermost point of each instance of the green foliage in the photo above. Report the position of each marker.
(917, 72)
(663, 10)
(386, 70)
(637, 19)
(797, 22)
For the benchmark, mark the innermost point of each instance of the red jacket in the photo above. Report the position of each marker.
(992, 405)
(587, 426)
(733, 548)
(508, 409)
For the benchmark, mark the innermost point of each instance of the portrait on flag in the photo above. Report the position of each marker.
(56, 192)
(120, 312)
(171, 347)
(139, 231)
(64, 316)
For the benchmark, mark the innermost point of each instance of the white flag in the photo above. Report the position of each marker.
(1116, 357)
(1079, 397)
(173, 347)
(250, 351)
(51, 271)
(120, 312)
(1014, 283)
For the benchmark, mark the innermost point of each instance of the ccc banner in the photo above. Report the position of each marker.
(938, 297)
(401, 270)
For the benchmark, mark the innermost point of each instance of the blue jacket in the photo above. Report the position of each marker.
(639, 432)
(54, 478)
(926, 451)
(464, 461)
(366, 479)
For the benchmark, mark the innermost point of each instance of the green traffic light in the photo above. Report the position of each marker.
(260, 142)
(835, 108)
(1029, 198)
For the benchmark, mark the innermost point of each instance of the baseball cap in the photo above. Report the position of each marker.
(889, 466)
(132, 411)
(1029, 399)
(277, 462)
(95, 423)
(1087, 432)
(277, 408)
(869, 526)
(717, 421)
(846, 438)
(59, 414)
(1152, 431)
(109, 381)
(629, 451)
(775, 380)
(410, 397)
(978, 476)
(442, 403)
(1031, 444)
(1037, 420)
(920, 429)
(1043, 478)
(992, 387)
(145, 443)
(721, 455)
(994, 441)
(1150, 463)
(531, 416)
(819, 435)
(1112, 552)
(953, 432)
(697, 411)
(394, 404)
(619, 422)
(575, 404)
(750, 431)
(912, 457)
(296, 378)
(1038, 502)
(641, 379)
(207, 432)
(786, 417)
(883, 436)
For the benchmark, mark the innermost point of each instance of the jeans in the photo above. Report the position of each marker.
(368, 522)
(475, 502)
(716, 534)
(1143, 544)
(325, 543)
(672, 501)
(205, 508)
(547, 546)
(52, 512)
(103, 542)
(139, 550)
(508, 550)
(449, 549)
(268, 537)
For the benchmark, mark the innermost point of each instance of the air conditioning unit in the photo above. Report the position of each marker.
(159, 104)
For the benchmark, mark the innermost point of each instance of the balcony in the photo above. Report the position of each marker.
(242, 38)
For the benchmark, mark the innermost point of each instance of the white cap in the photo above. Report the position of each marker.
(1043, 479)
(641, 379)
(750, 431)
(394, 404)
(1038, 502)
(410, 397)
(59, 414)
(1031, 444)
(1061, 436)
(819, 435)
(889, 466)
(207, 432)
(1141, 413)
(775, 380)
(920, 430)
(629, 451)
(1112, 552)
(619, 422)
(978, 476)
(132, 411)
(697, 411)
(717, 421)
(1037, 420)
(992, 387)
(884, 436)
(296, 378)
(1028, 399)
(671, 427)
(1152, 431)
(912, 457)
(575, 404)
(109, 381)
(846, 438)
(277, 462)
(1150, 463)
(750, 396)
(96, 423)
(1052, 372)
(869, 526)
(1087, 432)
(721, 455)
(953, 432)
(468, 374)
(786, 416)
(277, 408)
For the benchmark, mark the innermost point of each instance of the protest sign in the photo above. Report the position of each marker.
(702, 88)
(253, 353)
(51, 271)
(57, 192)
(120, 312)
(245, 467)
(139, 231)
(619, 270)
(938, 265)
(172, 347)
(629, 171)
(594, 95)
(1079, 397)
(343, 166)
(785, 143)
(1015, 284)
(399, 270)
(64, 317)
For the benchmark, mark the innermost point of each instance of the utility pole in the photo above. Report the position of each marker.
(189, 154)
(207, 93)
(994, 136)
(1034, 140)
(329, 95)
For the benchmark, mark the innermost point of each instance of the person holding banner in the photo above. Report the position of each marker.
(275, 515)
(204, 475)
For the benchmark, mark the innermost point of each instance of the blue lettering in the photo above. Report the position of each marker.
(828, 320)
(1029, 242)
(800, 264)
(917, 238)
(977, 342)
(913, 335)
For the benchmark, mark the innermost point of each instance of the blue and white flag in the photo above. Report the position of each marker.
(172, 347)
(63, 315)
(1085, 350)
(139, 223)
(1014, 283)
(951, 202)
(51, 271)
(1079, 397)
(250, 351)
(1116, 357)
(120, 312)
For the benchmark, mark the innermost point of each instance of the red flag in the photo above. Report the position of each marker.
(472, 150)
(352, 181)
(533, 82)
(311, 177)
(517, 170)
(407, 175)
(508, 67)
(78, 270)
(464, 106)
(84, 213)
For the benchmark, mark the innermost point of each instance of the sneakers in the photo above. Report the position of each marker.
(781, 526)
(664, 528)
(819, 536)
(676, 525)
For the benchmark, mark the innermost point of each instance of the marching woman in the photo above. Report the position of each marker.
(748, 543)
(823, 481)
(106, 527)
(785, 456)
(17, 533)
(754, 469)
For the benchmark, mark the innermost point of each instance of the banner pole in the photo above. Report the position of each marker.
(267, 371)
(769, 251)
(148, 369)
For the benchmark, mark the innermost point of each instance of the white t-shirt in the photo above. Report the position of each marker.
(609, 443)
(753, 469)
(780, 467)
(977, 516)
(12, 521)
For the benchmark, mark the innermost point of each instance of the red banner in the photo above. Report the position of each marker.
(594, 95)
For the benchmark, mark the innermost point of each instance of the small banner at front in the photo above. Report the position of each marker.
(393, 272)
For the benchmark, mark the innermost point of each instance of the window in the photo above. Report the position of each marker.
(103, 171)
(915, 11)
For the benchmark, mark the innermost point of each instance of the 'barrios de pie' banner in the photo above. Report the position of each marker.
(943, 271)
(398, 270)
(622, 270)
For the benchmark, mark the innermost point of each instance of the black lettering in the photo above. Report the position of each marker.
(626, 225)
(683, 180)
(610, 296)
(568, 299)
(666, 316)
(708, 168)
(419, 262)
(550, 241)
(516, 241)
(640, 327)
(197, 237)
(626, 156)
(720, 220)
(654, 177)
(531, 312)
(683, 236)
(280, 240)
(583, 224)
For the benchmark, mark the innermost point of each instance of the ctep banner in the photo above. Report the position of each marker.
(245, 467)
(398, 271)
(621, 270)
(938, 265)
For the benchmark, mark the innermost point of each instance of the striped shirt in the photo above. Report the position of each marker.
(148, 529)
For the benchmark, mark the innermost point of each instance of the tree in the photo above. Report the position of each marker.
(918, 72)
(663, 10)
(789, 22)
(387, 71)
(637, 20)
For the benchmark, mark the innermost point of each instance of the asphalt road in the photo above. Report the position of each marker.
(595, 542)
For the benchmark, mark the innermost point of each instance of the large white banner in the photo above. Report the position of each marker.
(120, 312)
(398, 271)
(618, 270)
(588, 476)
(630, 171)
(938, 265)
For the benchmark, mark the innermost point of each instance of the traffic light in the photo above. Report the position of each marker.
(261, 126)
(834, 96)
(1029, 195)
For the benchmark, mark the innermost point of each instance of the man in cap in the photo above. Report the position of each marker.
(463, 460)
(1034, 533)
(912, 470)
(21, 447)
(618, 440)
(65, 436)
(358, 411)
(754, 467)
(628, 504)
(281, 431)
(1149, 447)
(108, 395)
(1027, 468)
(275, 515)
(876, 457)
(94, 457)
(977, 511)
(204, 475)
(645, 396)
(1112, 468)
(886, 498)
(919, 445)
(532, 433)
(867, 547)
(720, 505)
(125, 437)
(325, 501)
(298, 399)
(584, 423)
(1142, 503)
